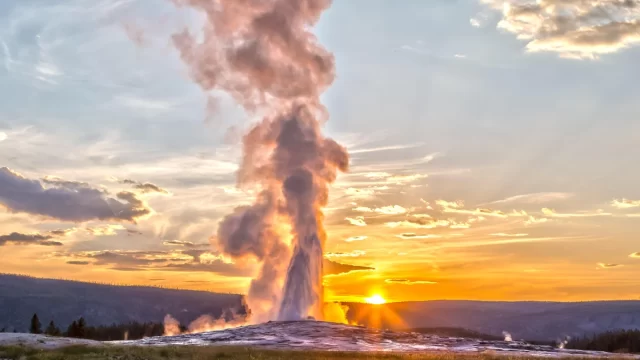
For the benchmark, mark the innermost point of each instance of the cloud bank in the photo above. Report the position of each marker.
(66, 200)
(577, 29)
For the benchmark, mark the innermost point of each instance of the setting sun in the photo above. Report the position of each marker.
(375, 299)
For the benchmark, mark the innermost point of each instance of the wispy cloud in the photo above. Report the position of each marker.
(509, 235)
(356, 238)
(419, 224)
(608, 266)
(635, 255)
(385, 210)
(384, 148)
(187, 244)
(16, 238)
(105, 230)
(625, 203)
(553, 213)
(414, 236)
(354, 253)
(409, 282)
(145, 188)
(535, 198)
(357, 221)
(532, 220)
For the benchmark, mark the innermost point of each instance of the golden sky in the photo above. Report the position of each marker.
(489, 160)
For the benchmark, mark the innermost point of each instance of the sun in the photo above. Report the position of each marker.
(375, 299)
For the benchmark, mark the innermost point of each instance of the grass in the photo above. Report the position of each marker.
(223, 353)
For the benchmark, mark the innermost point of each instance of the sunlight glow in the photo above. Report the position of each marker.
(375, 299)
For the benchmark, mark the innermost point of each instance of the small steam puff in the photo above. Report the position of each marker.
(230, 318)
(563, 342)
(507, 336)
(264, 55)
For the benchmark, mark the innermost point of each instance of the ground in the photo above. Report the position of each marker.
(79, 352)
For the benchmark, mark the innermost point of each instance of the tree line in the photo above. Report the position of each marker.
(619, 341)
(79, 329)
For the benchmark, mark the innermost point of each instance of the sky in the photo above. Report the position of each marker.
(493, 149)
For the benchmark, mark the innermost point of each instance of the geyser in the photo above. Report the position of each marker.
(263, 53)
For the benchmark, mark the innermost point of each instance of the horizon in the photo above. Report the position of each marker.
(213, 291)
(489, 160)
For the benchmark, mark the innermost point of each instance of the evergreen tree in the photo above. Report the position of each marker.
(52, 330)
(36, 327)
(72, 330)
(82, 328)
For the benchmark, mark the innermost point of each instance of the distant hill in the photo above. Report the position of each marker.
(523, 320)
(64, 301)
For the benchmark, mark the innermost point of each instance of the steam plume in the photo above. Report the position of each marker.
(263, 54)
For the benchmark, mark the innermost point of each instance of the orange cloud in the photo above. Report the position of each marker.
(608, 266)
(357, 221)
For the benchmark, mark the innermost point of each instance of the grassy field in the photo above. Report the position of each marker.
(207, 353)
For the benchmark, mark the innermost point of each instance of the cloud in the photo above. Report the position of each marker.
(187, 244)
(357, 221)
(575, 29)
(384, 148)
(354, 253)
(334, 268)
(363, 209)
(553, 213)
(404, 179)
(145, 188)
(66, 201)
(182, 261)
(391, 210)
(532, 220)
(385, 210)
(16, 238)
(458, 208)
(412, 236)
(377, 175)
(450, 204)
(77, 262)
(105, 230)
(3, 136)
(608, 266)
(419, 224)
(635, 255)
(625, 203)
(356, 238)
(360, 193)
(509, 235)
(409, 282)
(535, 198)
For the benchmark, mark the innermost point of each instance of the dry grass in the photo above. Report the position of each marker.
(227, 353)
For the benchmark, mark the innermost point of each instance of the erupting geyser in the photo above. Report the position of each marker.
(263, 53)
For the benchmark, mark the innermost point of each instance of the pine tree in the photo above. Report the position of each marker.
(82, 328)
(72, 330)
(36, 327)
(52, 330)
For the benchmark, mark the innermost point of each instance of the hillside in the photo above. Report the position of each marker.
(64, 301)
(523, 320)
